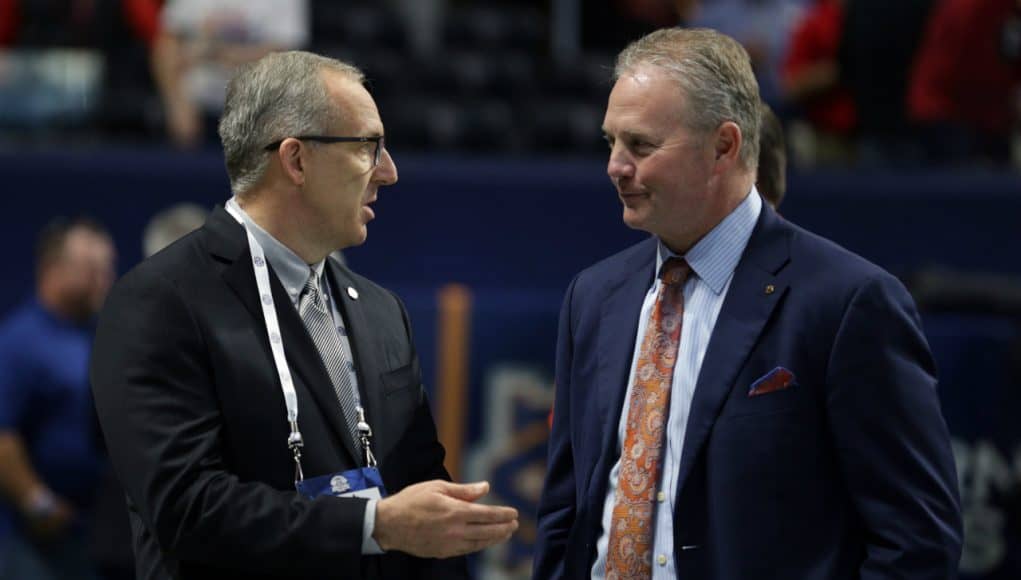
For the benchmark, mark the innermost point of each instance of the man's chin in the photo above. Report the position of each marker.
(357, 237)
(634, 219)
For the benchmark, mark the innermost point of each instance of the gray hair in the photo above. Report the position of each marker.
(171, 223)
(280, 95)
(714, 74)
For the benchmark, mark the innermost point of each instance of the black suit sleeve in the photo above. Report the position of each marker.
(155, 394)
(890, 437)
(424, 457)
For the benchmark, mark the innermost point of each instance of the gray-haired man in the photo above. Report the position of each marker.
(244, 380)
(736, 398)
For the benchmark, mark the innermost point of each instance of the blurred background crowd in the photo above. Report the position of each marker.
(855, 82)
(902, 126)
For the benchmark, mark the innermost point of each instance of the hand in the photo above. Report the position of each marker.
(47, 515)
(439, 519)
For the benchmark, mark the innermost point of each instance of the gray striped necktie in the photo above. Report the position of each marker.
(335, 356)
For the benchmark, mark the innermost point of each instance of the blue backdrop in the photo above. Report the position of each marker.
(515, 231)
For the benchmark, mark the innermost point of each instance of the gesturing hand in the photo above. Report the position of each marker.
(439, 519)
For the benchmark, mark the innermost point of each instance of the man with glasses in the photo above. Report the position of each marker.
(251, 388)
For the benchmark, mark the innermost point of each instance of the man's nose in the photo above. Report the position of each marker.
(386, 171)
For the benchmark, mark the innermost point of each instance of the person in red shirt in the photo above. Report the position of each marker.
(71, 22)
(965, 82)
(810, 79)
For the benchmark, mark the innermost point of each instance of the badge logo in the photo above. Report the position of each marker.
(339, 484)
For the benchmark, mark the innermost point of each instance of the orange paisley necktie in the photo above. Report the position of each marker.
(629, 556)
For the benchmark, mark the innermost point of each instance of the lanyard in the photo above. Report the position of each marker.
(276, 343)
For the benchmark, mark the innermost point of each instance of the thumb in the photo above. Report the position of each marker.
(467, 491)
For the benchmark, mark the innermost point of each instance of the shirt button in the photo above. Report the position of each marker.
(661, 559)
(661, 497)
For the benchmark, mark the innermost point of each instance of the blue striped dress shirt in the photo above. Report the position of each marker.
(712, 262)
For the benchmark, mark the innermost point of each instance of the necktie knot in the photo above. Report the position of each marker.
(674, 271)
(311, 291)
(312, 283)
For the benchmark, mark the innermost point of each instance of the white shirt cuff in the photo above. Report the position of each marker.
(369, 545)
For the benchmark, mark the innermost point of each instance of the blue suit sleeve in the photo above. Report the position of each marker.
(557, 505)
(890, 437)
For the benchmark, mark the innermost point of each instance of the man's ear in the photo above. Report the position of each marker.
(727, 145)
(292, 163)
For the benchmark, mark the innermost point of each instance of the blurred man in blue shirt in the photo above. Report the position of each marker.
(49, 463)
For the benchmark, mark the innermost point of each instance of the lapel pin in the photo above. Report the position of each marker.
(352, 293)
(770, 289)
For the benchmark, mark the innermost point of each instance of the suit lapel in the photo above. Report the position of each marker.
(618, 327)
(228, 242)
(749, 303)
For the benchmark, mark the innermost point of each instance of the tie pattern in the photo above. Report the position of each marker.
(629, 555)
(335, 354)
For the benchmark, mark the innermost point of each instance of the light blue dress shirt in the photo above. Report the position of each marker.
(293, 272)
(712, 262)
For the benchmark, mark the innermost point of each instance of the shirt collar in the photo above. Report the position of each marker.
(290, 269)
(715, 256)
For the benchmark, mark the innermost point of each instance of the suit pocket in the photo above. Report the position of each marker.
(785, 400)
(400, 379)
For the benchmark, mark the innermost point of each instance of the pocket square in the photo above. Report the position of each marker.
(777, 379)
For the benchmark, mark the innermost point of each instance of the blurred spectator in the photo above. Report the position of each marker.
(170, 224)
(763, 27)
(75, 64)
(199, 44)
(29, 23)
(49, 68)
(878, 47)
(965, 84)
(49, 460)
(811, 81)
(130, 106)
(771, 180)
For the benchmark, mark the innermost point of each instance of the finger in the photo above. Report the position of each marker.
(478, 545)
(466, 491)
(465, 548)
(489, 514)
(489, 532)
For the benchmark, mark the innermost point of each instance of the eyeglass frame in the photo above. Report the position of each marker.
(379, 140)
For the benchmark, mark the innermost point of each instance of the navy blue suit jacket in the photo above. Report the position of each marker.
(846, 474)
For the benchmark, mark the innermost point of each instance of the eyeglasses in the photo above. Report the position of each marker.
(377, 155)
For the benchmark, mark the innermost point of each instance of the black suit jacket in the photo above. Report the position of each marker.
(195, 421)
